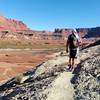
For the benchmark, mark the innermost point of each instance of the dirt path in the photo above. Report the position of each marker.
(62, 88)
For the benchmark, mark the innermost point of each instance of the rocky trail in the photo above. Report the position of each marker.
(51, 80)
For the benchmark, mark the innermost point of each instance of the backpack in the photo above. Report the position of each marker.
(73, 41)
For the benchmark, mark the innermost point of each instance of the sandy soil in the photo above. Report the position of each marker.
(61, 91)
(13, 63)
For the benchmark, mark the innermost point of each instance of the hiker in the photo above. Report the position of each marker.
(72, 46)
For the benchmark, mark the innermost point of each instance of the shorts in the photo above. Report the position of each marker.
(73, 53)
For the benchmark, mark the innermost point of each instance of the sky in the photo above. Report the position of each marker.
(51, 14)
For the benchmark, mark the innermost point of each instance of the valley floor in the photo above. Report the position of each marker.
(14, 62)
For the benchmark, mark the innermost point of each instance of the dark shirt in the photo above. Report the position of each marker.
(71, 39)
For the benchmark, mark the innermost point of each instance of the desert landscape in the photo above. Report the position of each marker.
(19, 51)
(49, 50)
(15, 62)
(22, 48)
(33, 63)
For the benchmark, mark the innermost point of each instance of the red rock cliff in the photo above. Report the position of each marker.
(11, 24)
(13, 29)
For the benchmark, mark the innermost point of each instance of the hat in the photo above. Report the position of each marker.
(74, 31)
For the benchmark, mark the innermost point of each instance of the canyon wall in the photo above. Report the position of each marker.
(16, 30)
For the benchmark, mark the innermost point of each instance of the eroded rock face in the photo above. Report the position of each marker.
(87, 80)
(88, 83)
(93, 32)
(83, 32)
(11, 29)
(11, 24)
(14, 30)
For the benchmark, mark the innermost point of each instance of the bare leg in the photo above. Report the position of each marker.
(73, 62)
(69, 64)
(69, 61)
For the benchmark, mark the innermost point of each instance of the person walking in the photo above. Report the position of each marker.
(72, 46)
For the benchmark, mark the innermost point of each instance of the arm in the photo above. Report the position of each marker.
(67, 44)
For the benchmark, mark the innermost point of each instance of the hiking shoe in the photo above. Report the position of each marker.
(69, 67)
